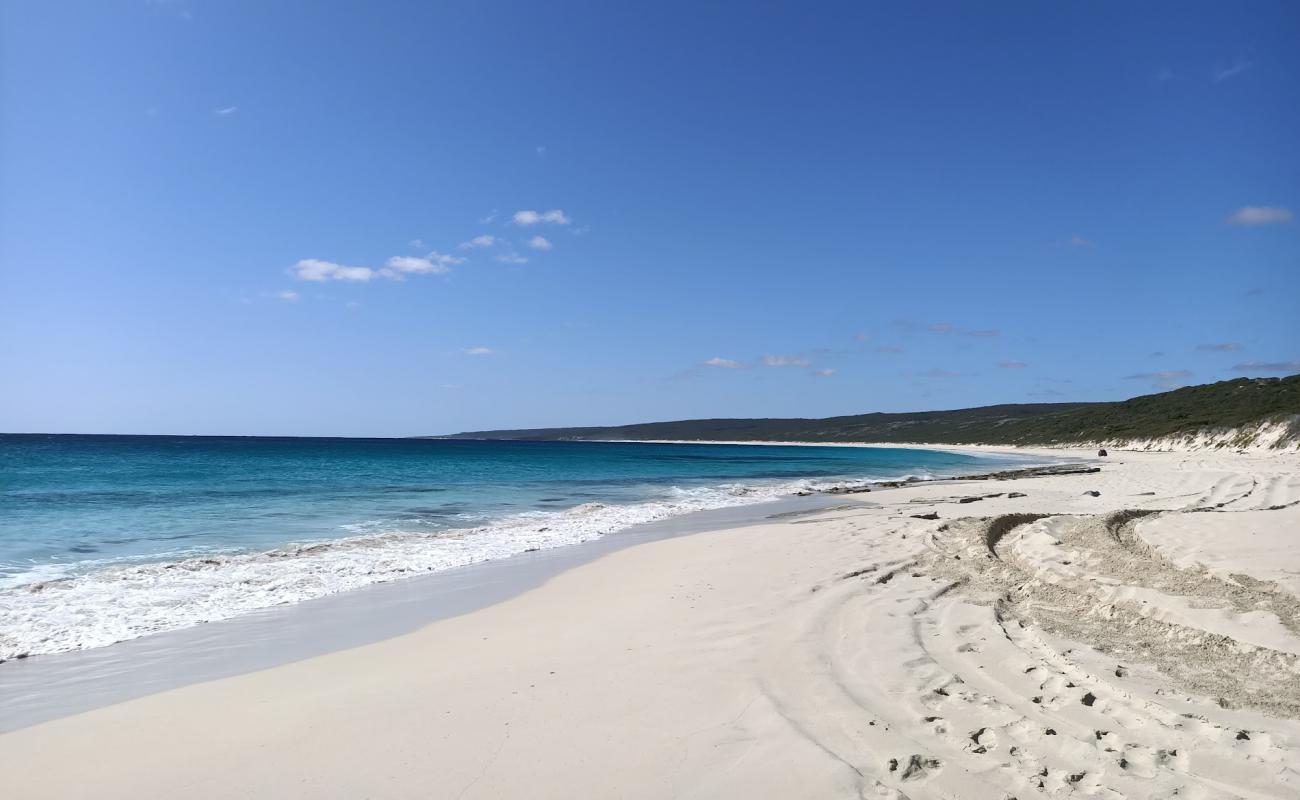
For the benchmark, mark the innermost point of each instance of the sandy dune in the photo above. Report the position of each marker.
(1144, 642)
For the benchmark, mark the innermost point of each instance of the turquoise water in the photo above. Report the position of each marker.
(104, 538)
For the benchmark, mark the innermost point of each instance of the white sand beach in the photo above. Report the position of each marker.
(1038, 641)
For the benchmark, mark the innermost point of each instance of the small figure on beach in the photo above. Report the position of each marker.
(1101, 452)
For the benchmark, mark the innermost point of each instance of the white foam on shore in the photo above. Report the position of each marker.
(126, 601)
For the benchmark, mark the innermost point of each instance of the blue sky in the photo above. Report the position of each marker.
(393, 219)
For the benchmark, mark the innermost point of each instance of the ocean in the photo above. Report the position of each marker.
(107, 538)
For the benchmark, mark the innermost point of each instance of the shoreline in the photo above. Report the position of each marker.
(113, 602)
(45, 687)
(858, 648)
(50, 686)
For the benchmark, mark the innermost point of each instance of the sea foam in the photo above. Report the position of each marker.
(45, 613)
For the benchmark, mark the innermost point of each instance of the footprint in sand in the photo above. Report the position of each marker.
(916, 767)
(983, 740)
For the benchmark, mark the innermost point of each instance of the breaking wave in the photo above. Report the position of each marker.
(45, 612)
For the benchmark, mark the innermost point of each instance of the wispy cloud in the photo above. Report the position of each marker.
(552, 217)
(1267, 367)
(541, 151)
(1163, 375)
(890, 350)
(288, 296)
(1222, 73)
(540, 243)
(823, 373)
(478, 242)
(314, 269)
(417, 244)
(724, 363)
(1252, 216)
(785, 361)
(1012, 364)
(225, 112)
(480, 350)
(1222, 347)
(1078, 241)
(489, 219)
(512, 258)
(947, 328)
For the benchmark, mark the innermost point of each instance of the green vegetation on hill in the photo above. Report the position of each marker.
(1215, 406)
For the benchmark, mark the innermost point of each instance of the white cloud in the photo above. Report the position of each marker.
(478, 242)
(313, 269)
(433, 264)
(442, 258)
(512, 258)
(553, 217)
(225, 112)
(725, 363)
(288, 296)
(489, 219)
(541, 151)
(1078, 241)
(824, 373)
(1260, 215)
(540, 243)
(417, 244)
(479, 351)
(785, 361)
(1221, 347)
(1239, 66)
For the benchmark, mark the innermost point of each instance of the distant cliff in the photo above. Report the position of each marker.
(1247, 413)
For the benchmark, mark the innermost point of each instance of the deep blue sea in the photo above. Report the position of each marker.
(105, 538)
